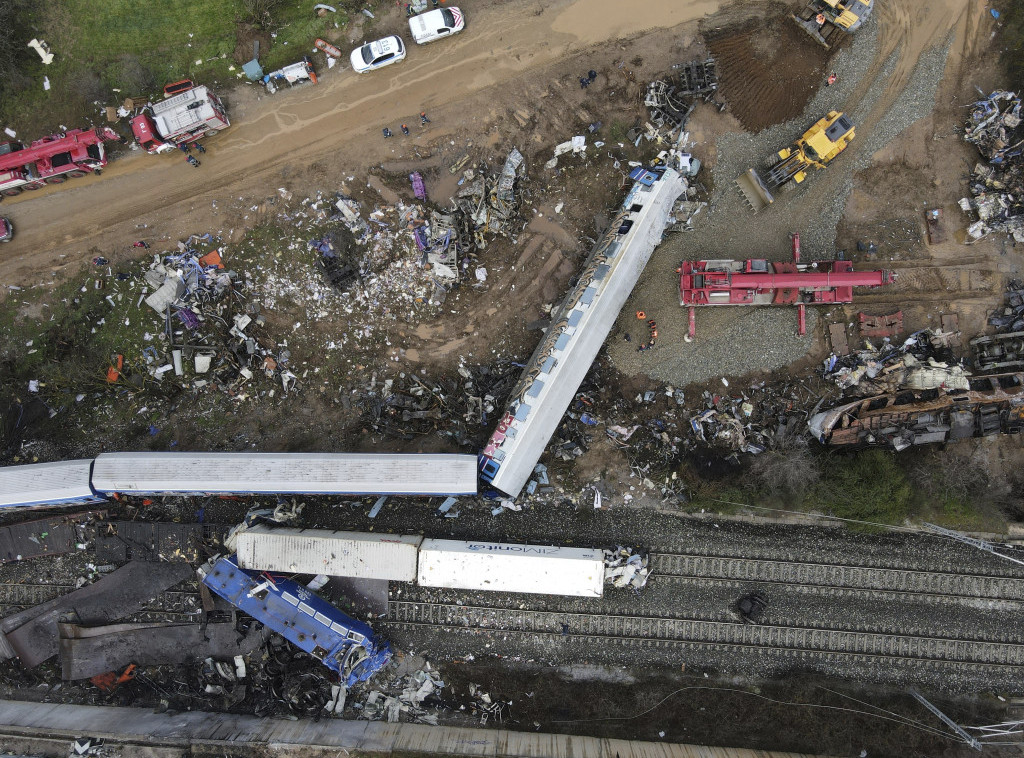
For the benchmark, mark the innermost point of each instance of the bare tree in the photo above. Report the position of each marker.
(787, 470)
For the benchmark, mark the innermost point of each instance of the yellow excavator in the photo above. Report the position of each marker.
(817, 147)
(828, 21)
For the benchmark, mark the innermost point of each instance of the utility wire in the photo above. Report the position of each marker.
(907, 719)
(899, 720)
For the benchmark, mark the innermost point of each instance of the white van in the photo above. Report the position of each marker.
(436, 24)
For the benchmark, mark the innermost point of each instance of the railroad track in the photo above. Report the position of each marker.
(684, 568)
(707, 635)
(170, 606)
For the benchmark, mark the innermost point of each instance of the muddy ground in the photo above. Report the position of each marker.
(512, 80)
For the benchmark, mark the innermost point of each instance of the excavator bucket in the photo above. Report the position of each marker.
(826, 34)
(754, 190)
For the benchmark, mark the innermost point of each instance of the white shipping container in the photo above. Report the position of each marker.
(539, 569)
(321, 551)
(61, 483)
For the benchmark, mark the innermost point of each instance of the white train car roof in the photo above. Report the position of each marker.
(506, 567)
(579, 327)
(320, 551)
(285, 473)
(46, 484)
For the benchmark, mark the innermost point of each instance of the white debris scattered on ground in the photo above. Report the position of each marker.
(410, 693)
(626, 567)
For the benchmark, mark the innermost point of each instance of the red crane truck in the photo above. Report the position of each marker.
(759, 282)
(186, 114)
(53, 159)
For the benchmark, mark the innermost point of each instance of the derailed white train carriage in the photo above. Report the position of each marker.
(450, 564)
(83, 482)
(504, 567)
(41, 484)
(285, 474)
(359, 555)
(579, 327)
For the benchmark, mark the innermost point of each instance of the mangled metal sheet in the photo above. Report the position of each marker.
(321, 551)
(340, 642)
(509, 174)
(119, 541)
(996, 127)
(32, 634)
(554, 372)
(999, 351)
(626, 567)
(45, 537)
(992, 404)
(86, 652)
(167, 295)
(888, 368)
(670, 101)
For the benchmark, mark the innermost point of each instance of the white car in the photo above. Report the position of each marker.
(436, 24)
(374, 55)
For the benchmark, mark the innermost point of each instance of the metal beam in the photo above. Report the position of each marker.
(988, 547)
(946, 720)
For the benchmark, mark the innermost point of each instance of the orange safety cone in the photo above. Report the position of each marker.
(641, 315)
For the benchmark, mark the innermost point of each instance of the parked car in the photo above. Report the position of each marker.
(374, 55)
(6, 229)
(436, 24)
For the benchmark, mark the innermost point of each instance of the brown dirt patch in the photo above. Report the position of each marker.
(245, 35)
(767, 69)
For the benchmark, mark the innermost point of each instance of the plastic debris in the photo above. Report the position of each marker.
(626, 567)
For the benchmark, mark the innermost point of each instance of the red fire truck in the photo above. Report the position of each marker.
(186, 114)
(52, 160)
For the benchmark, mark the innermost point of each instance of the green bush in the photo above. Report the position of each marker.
(868, 486)
(1012, 20)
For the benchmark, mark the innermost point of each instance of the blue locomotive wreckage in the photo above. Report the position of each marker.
(341, 643)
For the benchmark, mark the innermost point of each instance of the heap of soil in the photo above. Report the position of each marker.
(767, 72)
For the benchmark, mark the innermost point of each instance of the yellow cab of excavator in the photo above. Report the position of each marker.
(828, 137)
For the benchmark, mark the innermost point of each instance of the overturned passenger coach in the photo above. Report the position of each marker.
(579, 326)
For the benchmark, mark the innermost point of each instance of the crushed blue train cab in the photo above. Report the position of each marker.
(341, 643)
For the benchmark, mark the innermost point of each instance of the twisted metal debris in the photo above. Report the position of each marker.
(997, 185)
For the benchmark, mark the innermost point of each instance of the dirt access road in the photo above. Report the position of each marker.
(335, 125)
(518, 62)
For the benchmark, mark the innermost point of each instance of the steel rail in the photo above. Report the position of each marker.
(171, 604)
(805, 574)
(655, 631)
